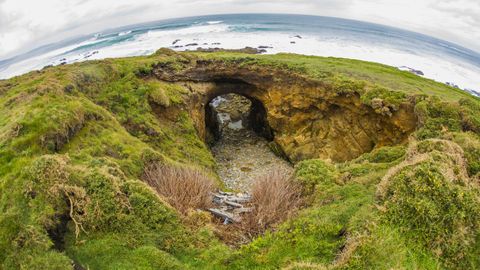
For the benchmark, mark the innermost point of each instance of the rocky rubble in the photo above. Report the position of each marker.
(241, 154)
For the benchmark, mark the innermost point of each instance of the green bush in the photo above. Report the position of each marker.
(470, 144)
(385, 154)
(361, 169)
(310, 173)
(384, 247)
(165, 94)
(43, 260)
(159, 97)
(143, 71)
(470, 111)
(344, 85)
(436, 212)
(389, 98)
(117, 251)
(437, 117)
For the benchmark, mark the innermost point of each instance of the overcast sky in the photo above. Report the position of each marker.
(27, 24)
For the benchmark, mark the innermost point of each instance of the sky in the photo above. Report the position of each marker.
(28, 24)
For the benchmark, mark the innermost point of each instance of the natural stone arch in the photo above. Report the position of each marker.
(256, 119)
(207, 91)
(308, 118)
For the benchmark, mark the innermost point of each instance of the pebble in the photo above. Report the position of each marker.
(241, 159)
(241, 154)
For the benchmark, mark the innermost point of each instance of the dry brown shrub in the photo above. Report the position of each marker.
(275, 198)
(184, 188)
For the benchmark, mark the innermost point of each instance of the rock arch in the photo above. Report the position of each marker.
(307, 118)
(256, 119)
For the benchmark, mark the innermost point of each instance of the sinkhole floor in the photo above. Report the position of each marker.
(242, 156)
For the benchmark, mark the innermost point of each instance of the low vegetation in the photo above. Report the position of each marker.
(78, 188)
(185, 189)
(275, 198)
(431, 199)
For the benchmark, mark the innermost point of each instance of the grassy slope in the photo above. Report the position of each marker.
(339, 69)
(74, 140)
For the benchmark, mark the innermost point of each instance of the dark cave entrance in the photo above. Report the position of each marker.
(239, 135)
(231, 113)
(241, 141)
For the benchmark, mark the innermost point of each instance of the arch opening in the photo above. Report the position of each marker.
(231, 114)
(241, 140)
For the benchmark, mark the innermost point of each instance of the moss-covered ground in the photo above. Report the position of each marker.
(75, 139)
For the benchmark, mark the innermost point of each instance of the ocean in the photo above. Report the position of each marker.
(437, 59)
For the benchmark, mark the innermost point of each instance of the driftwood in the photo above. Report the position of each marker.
(243, 210)
(240, 199)
(229, 206)
(233, 204)
(225, 215)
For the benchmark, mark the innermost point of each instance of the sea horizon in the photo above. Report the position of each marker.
(426, 56)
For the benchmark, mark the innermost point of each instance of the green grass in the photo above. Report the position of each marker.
(470, 143)
(440, 215)
(75, 139)
(94, 118)
(350, 72)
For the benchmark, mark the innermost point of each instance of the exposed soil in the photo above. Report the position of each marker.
(241, 154)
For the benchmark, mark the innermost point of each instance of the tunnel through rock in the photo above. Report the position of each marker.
(307, 118)
(231, 113)
(241, 140)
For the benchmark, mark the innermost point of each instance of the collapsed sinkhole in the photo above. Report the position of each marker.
(241, 140)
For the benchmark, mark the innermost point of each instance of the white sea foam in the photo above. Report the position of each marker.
(217, 34)
(214, 22)
(49, 58)
(188, 32)
(124, 33)
(235, 125)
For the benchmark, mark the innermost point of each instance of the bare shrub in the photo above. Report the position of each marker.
(184, 188)
(275, 197)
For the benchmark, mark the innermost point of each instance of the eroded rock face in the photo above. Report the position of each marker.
(308, 119)
(341, 128)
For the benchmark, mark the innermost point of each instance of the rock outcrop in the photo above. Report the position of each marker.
(306, 118)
